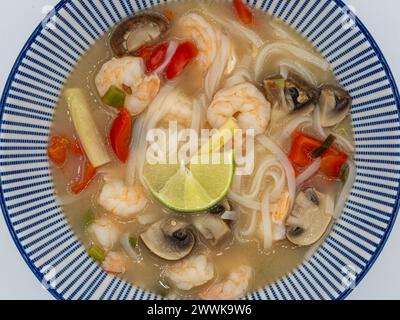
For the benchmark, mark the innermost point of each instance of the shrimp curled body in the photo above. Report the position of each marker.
(232, 288)
(244, 102)
(128, 75)
(122, 200)
(191, 272)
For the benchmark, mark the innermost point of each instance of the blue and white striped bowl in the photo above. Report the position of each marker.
(36, 220)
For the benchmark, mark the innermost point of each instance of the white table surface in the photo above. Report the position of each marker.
(18, 18)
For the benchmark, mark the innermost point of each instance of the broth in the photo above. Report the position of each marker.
(149, 273)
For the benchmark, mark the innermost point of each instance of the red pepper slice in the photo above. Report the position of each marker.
(156, 57)
(86, 176)
(301, 157)
(121, 134)
(57, 150)
(75, 148)
(185, 53)
(144, 52)
(245, 15)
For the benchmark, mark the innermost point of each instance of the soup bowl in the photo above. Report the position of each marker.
(36, 220)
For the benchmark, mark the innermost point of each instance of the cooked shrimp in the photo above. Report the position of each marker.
(115, 262)
(232, 288)
(122, 200)
(105, 232)
(203, 34)
(180, 111)
(244, 102)
(191, 272)
(128, 74)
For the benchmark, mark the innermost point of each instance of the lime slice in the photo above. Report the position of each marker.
(214, 172)
(197, 187)
(157, 175)
(201, 184)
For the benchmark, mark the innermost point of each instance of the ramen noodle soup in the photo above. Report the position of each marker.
(244, 88)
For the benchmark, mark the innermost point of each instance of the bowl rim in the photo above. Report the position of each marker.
(396, 205)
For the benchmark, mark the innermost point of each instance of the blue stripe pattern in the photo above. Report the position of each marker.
(36, 220)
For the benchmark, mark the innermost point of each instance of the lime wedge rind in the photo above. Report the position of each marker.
(200, 185)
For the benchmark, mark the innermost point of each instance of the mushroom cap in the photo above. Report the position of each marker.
(292, 94)
(308, 220)
(169, 239)
(212, 228)
(334, 104)
(136, 31)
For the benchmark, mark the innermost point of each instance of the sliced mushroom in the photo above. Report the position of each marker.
(169, 239)
(212, 228)
(308, 220)
(334, 104)
(292, 94)
(136, 31)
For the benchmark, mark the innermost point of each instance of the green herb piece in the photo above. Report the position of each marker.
(133, 242)
(344, 174)
(97, 253)
(324, 146)
(280, 83)
(114, 97)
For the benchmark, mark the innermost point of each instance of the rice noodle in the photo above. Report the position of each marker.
(282, 33)
(198, 109)
(237, 183)
(309, 172)
(290, 175)
(276, 47)
(217, 69)
(130, 176)
(155, 112)
(279, 184)
(251, 229)
(128, 248)
(236, 28)
(243, 201)
(317, 123)
(279, 180)
(294, 124)
(286, 65)
(341, 201)
(339, 140)
(242, 73)
(266, 221)
(343, 142)
(173, 45)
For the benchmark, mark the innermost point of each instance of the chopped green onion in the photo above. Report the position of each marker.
(324, 146)
(344, 174)
(280, 83)
(114, 97)
(88, 218)
(132, 242)
(97, 253)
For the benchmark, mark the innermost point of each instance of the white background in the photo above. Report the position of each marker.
(18, 18)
